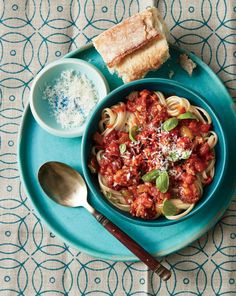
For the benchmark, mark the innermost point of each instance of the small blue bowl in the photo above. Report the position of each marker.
(167, 87)
(40, 108)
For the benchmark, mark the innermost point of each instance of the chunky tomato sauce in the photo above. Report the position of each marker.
(182, 153)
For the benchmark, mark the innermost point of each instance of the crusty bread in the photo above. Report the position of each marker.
(136, 65)
(187, 64)
(135, 46)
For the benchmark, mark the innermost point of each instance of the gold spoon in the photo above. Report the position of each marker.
(65, 186)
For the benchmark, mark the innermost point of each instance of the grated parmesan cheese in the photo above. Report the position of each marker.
(128, 176)
(71, 97)
(174, 153)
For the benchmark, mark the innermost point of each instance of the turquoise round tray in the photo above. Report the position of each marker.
(76, 226)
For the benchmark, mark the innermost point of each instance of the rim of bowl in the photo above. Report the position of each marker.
(95, 191)
(76, 132)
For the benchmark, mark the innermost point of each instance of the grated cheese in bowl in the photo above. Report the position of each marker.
(71, 97)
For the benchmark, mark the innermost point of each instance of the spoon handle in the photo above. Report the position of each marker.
(134, 247)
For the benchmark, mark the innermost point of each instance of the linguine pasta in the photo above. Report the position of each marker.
(154, 154)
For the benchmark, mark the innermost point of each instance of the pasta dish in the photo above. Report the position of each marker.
(153, 154)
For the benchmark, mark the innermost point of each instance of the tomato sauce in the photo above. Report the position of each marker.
(182, 152)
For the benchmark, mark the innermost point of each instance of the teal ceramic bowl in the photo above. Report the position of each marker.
(40, 108)
(167, 87)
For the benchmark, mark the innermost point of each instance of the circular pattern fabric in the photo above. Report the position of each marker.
(32, 260)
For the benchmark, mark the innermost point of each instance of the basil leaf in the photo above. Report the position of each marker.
(150, 176)
(122, 148)
(124, 192)
(108, 195)
(170, 124)
(186, 154)
(173, 156)
(169, 209)
(162, 182)
(187, 115)
(93, 170)
(133, 132)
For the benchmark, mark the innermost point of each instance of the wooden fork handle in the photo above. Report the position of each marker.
(134, 247)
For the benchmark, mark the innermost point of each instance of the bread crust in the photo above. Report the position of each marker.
(187, 64)
(126, 37)
(136, 65)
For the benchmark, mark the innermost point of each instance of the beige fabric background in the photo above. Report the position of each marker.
(32, 260)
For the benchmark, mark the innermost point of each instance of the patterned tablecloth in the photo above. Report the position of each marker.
(32, 260)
